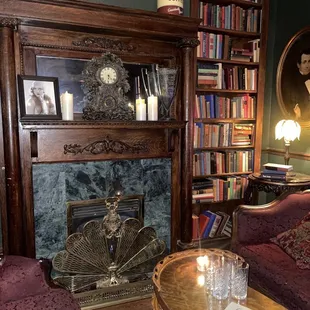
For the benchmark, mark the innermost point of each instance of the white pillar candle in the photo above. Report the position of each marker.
(140, 109)
(152, 108)
(67, 106)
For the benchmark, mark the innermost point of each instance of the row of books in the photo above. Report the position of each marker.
(233, 78)
(221, 189)
(205, 163)
(213, 106)
(218, 46)
(230, 17)
(222, 134)
(209, 225)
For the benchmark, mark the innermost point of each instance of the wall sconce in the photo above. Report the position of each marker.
(289, 130)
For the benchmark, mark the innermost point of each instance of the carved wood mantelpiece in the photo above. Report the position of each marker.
(89, 29)
(106, 146)
(111, 45)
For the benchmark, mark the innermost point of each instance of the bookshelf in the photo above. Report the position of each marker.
(230, 66)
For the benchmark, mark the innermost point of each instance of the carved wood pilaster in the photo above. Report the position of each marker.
(8, 22)
(8, 93)
(188, 42)
(187, 46)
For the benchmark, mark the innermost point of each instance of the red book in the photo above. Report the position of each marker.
(203, 222)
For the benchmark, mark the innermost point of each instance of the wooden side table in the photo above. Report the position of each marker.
(298, 182)
(176, 286)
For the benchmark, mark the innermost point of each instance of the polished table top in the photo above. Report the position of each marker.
(177, 288)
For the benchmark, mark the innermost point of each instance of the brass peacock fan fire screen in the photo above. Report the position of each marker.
(107, 253)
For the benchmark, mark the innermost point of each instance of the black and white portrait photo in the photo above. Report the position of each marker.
(39, 97)
(293, 78)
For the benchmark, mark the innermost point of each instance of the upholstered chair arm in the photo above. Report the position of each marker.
(257, 224)
(21, 277)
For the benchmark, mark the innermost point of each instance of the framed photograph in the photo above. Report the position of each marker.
(293, 78)
(39, 98)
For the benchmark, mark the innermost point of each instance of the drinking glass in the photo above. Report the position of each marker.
(239, 285)
(221, 280)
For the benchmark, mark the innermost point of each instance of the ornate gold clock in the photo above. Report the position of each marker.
(105, 85)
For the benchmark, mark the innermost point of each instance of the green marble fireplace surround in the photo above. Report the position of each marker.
(56, 184)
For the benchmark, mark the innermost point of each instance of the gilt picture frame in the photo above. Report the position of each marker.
(39, 98)
(293, 78)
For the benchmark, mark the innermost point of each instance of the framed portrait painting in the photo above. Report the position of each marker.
(39, 98)
(293, 78)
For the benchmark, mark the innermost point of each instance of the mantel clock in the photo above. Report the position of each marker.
(105, 85)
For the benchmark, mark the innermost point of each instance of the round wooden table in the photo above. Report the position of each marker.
(176, 286)
(297, 182)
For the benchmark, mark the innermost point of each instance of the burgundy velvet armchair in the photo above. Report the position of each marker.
(24, 285)
(272, 270)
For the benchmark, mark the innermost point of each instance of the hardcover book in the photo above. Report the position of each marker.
(279, 167)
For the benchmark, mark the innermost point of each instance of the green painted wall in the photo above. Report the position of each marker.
(284, 21)
(149, 5)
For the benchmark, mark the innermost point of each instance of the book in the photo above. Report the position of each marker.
(225, 219)
(195, 227)
(203, 223)
(278, 167)
(215, 226)
(212, 217)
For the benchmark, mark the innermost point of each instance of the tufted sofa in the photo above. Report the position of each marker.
(23, 286)
(272, 271)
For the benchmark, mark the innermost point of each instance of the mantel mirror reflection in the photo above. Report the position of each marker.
(140, 77)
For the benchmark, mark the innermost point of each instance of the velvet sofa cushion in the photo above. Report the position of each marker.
(275, 273)
(296, 242)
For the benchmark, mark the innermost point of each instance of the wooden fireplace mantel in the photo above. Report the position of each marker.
(78, 29)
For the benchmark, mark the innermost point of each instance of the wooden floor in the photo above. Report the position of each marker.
(143, 304)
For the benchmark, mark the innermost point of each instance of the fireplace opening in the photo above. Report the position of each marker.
(81, 211)
(109, 254)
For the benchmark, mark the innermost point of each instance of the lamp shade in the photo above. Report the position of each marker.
(287, 129)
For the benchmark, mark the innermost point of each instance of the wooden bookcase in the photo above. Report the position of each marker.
(234, 86)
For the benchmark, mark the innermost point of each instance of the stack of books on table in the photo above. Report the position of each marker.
(277, 172)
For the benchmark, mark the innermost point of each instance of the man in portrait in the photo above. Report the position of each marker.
(299, 88)
(39, 102)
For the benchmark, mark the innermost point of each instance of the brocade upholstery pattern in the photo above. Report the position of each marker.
(296, 242)
(272, 271)
(23, 286)
(266, 223)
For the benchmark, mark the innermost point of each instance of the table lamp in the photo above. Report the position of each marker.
(289, 130)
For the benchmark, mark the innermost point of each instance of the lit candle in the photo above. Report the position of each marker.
(140, 109)
(152, 108)
(202, 263)
(131, 106)
(67, 106)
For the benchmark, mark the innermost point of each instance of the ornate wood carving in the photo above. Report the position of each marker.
(105, 146)
(188, 42)
(8, 22)
(112, 45)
